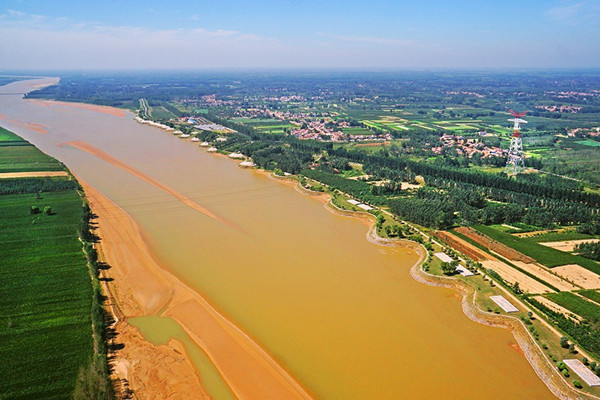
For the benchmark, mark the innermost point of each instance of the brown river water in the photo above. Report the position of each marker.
(341, 314)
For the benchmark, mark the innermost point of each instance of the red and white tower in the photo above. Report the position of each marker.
(515, 162)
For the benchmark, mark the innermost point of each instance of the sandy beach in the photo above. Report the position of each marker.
(23, 124)
(141, 286)
(117, 112)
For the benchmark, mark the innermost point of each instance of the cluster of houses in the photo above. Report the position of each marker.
(318, 130)
(573, 94)
(561, 109)
(265, 112)
(467, 147)
(582, 132)
(478, 95)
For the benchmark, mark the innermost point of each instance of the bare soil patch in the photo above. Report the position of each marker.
(511, 275)
(579, 275)
(547, 275)
(494, 245)
(567, 245)
(34, 174)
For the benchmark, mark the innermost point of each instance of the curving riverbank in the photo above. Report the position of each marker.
(530, 349)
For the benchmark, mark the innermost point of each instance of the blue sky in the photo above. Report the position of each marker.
(299, 34)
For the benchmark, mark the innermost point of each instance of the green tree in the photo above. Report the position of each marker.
(449, 268)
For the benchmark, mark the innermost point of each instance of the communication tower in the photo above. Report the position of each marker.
(515, 162)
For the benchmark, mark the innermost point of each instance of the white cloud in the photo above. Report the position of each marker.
(564, 12)
(574, 12)
(38, 42)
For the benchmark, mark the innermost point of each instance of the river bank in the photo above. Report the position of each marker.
(141, 286)
(526, 344)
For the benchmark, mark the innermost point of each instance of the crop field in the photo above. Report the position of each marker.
(585, 309)
(387, 124)
(544, 255)
(516, 227)
(161, 113)
(589, 142)
(258, 121)
(26, 158)
(593, 295)
(45, 296)
(274, 128)
(357, 131)
(495, 245)
(8, 136)
(559, 236)
(430, 122)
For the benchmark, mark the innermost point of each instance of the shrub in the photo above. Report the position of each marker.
(577, 384)
(34, 210)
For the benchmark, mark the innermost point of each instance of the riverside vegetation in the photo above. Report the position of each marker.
(53, 322)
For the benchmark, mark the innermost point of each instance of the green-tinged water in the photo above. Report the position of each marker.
(160, 330)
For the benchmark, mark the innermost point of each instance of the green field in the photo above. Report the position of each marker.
(559, 236)
(26, 158)
(8, 136)
(589, 142)
(46, 302)
(357, 131)
(585, 309)
(520, 227)
(18, 155)
(162, 113)
(544, 255)
(593, 295)
(45, 297)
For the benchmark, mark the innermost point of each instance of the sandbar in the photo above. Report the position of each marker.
(142, 286)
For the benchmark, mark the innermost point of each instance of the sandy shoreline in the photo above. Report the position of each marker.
(142, 286)
(528, 347)
(116, 112)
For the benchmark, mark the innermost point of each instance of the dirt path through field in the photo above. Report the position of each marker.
(34, 174)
